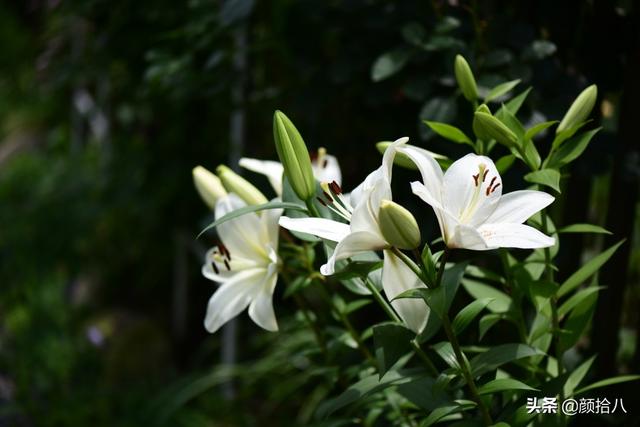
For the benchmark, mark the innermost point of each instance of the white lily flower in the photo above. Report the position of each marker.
(325, 169)
(362, 234)
(472, 211)
(245, 264)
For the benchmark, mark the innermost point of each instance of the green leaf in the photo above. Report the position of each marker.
(449, 132)
(504, 163)
(503, 384)
(571, 150)
(391, 342)
(356, 305)
(608, 382)
(577, 298)
(577, 322)
(583, 228)
(487, 322)
(531, 155)
(587, 270)
(500, 301)
(445, 351)
(357, 269)
(439, 413)
(513, 105)
(512, 122)
(577, 376)
(467, 314)
(389, 63)
(536, 129)
(499, 355)
(565, 134)
(254, 208)
(501, 89)
(547, 177)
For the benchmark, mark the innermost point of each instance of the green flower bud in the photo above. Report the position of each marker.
(234, 183)
(294, 156)
(477, 129)
(488, 127)
(398, 226)
(465, 78)
(208, 185)
(400, 159)
(580, 109)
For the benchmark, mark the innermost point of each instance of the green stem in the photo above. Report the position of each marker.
(404, 258)
(462, 361)
(522, 329)
(312, 208)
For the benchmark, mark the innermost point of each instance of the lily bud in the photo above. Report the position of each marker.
(580, 109)
(208, 185)
(465, 78)
(477, 129)
(294, 156)
(398, 226)
(234, 183)
(488, 127)
(400, 159)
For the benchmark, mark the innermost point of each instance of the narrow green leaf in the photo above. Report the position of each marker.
(357, 269)
(570, 150)
(254, 208)
(536, 129)
(514, 104)
(500, 301)
(577, 376)
(487, 322)
(501, 89)
(439, 413)
(583, 228)
(608, 382)
(565, 134)
(449, 132)
(504, 163)
(445, 351)
(503, 384)
(577, 322)
(467, 314)
(547, 177)
(587, 270)
(499, 355)
(577, 298)
(391, 341)
(531, 155)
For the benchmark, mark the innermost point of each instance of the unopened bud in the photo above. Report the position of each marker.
(465, 78)
(208, 185)
(477, 129)
(294, 156)
(398, 226)
(234, 183)
(488, 127)
(580, 109)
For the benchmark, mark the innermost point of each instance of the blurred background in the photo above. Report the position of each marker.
(105, 107)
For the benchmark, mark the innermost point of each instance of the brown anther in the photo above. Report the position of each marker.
(335, 188)
(213, 265)
(226, 264)
(325, 163)
(485, 175)
(492, 181)
(322, 202)
(313, 156)
(475, 179)
(494, 188)
(327, 196)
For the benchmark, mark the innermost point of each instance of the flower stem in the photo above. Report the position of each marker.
(404, 258)
(462, 361)
(312, 208)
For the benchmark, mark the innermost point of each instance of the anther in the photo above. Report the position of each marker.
(475, 179)
(325, 163)
(335, 188)
(213, 265)
(226, 264)
(485, 175)
(492, 181)
(322, 202)
(327, 196)
(494, 188)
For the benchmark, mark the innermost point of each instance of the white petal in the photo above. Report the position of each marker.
(232, 297)
(354, 243)
(518, 206)
(261, 308)
(472, 189)
(465, 237)
(270, 227)
(509, 235)
(321, 227)
(236, 264)
(390, 154)
(271, 169)
(328, 171)
(397, 278)
(429, 169)
(446, 220)
(241, 235)
(365, 214)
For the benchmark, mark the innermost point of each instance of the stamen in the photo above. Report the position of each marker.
(327, 196)
(335, 188)
(226, 264)
(488, 190)
(494, 188)
(492, 181)
(322, 202)
(485, 175)
(213, 265)
(325, 163)
(475, 179)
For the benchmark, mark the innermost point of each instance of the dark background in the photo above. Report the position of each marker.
(105, 106)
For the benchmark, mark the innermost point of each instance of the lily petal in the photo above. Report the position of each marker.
(261, 308)
(271, 169)
(509, 235)
(321, 227)
(471, 189)
(465, 237)
(397, 278)
(236, 264)
(240, 235)
(270, 219)
(430, 170)
(328, 171)
(232, 297)
(354, 243)
(518, 206)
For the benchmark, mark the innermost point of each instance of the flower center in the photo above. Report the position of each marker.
(484, 186)
(335, 201)
(220, 255)
(319, 158)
